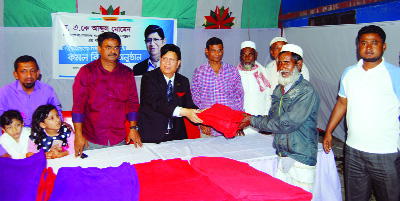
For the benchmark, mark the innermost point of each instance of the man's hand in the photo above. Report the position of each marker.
(240, 132)
(205, 129)
(68, 126)
(135, 137)
(79, 142)
(245, 121)
(191, 114)
(327, 142)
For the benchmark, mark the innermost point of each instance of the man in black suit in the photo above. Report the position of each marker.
(155, 40)
(165, 98)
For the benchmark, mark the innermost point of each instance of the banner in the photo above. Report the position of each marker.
(75, 39)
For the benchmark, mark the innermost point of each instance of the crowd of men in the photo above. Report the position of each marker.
(277, 99)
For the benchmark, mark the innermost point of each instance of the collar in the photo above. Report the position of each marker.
(378, 67)
(167, 79)
(288, 87)
(151, 66)
(99, 65)
(36, 87)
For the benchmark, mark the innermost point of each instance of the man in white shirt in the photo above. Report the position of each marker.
(369, 94)
(275, 48)
(256, 86)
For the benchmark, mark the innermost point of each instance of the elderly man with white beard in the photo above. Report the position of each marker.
(256, 86)
(293, 120)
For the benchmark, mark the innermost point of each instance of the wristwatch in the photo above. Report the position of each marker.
(133, 127)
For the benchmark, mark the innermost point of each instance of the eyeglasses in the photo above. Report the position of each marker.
(170, 60)
(116, 48)
(155, 40)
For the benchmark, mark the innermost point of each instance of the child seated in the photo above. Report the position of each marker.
(16, 137)
(49, 134)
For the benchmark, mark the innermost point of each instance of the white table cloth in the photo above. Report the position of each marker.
(254, 149)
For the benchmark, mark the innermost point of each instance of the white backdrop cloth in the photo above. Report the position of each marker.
(328, 51)
(254, 149)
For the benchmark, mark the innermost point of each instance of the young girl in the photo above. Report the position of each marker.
(49, 134)
(15, 137)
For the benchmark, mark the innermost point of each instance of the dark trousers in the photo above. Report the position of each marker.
(366, 171)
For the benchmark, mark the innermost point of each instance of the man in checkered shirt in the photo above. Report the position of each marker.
(216, 82)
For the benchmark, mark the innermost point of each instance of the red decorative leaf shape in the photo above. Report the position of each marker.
(210, 19)
(116, 11)
(103, 11)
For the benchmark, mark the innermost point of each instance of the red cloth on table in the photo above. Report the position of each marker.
(223, 119)
(246, 183)
(175, 180)
(46, 184)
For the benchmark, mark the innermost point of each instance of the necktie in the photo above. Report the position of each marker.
(169, 98)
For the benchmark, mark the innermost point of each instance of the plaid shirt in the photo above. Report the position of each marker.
(226, 88)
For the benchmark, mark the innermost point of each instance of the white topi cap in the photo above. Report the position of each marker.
(276, 39)
(293, 48)
(249, 44)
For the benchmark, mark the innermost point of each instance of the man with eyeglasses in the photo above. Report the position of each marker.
(155, 40)
(105, 96)
(26, 93)
(164, 99)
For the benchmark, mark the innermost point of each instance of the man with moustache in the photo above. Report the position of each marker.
(105, 96)
(26, 93)
(155, 40)
(216, 82)
(272, 68)
(165, 99)
(369, 94)
(254, 77)
(293, 120)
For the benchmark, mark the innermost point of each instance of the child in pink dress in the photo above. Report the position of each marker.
(49, 134)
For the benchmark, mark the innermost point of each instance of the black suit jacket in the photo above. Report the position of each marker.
(155, 110)
(141, 68)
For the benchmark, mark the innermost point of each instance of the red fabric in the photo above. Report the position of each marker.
(192, 130)
(51, 177)
(222, 118)
(42, 186)
(175, 180)
(46, 184)
(246, 183)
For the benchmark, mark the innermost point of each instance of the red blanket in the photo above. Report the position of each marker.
(246, 183)
(223, 119)
(176, 180)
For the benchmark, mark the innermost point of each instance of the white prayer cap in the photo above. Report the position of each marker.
(249, 44)
(276, 39)
(293, 48)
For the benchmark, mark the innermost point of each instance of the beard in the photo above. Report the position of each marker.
(248, 66)
(373, 59)
(29, 85)
(294, 76)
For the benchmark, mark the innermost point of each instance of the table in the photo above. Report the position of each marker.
(254, 149)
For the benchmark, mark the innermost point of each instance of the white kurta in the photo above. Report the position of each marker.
(273, 74)
(256, 102)
(17, 150)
